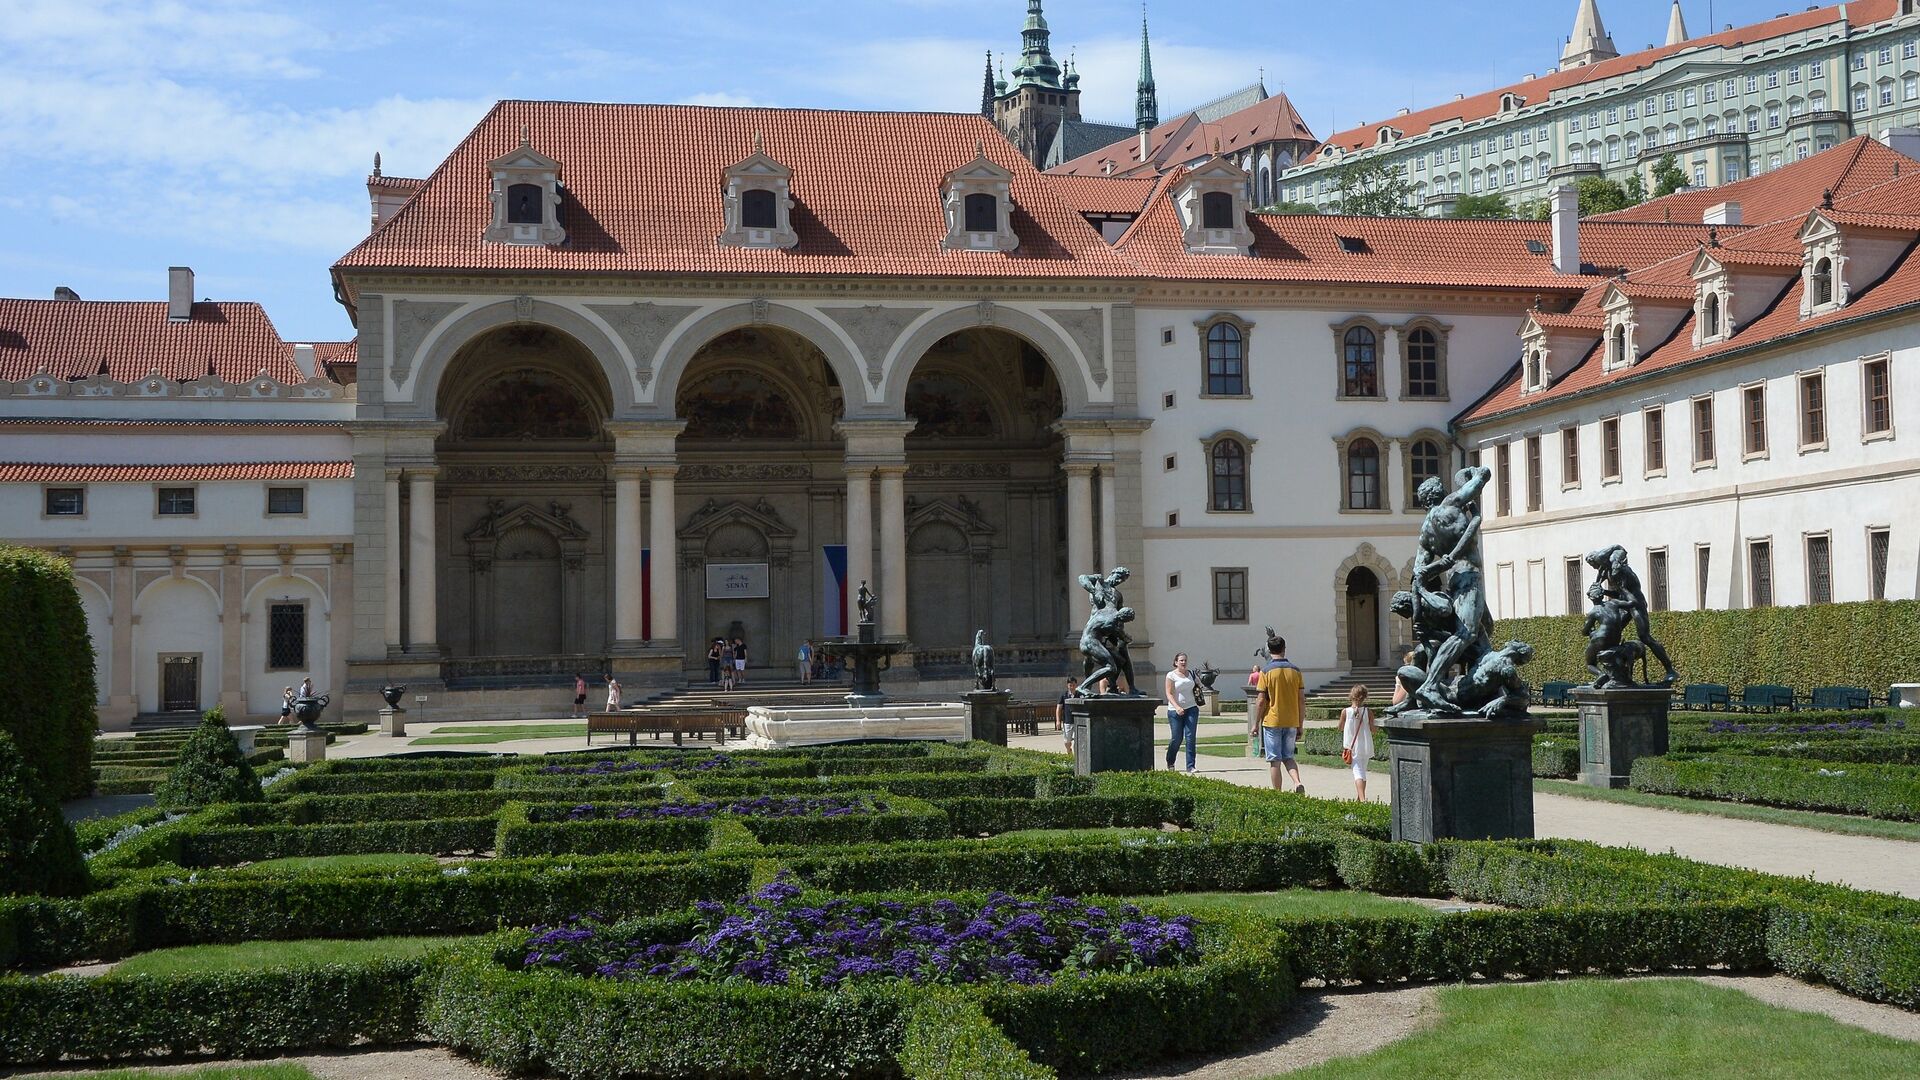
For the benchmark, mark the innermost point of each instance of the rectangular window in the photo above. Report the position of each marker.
(1658, 598)
(1669, 102)
(1230, 595)
(1877, 394)
(1688, 98)
(1860, 62)
(1610, 448)
(66, 501)
(1886, 54)
(286, 500)
(1816, 69)
(1773, 117)
(1753, 83)
(1860, 101)
(1819, 570)
(1569, 457)
(1576, 586)
(1878, 542)
(1728, 88)
(1534, 484)
(1503, 476)
(1703, 451)
(1910, 88)
(1793, 75)
(286, 636)
(1813, 410)
(176, 500)
(1613, 114)
(1773, 79)
(1760, 573)
(1700, 175)
(1702, 565)
(1633, 112)
(1753, 406)
(1886, 92)
(1909, 50)
(1712, 92)
(1655, 423)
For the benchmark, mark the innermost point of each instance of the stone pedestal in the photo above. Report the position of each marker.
(1112, 734)
(1618, 726)
(393, 722)
(987, 712)
(773, 728)
(1461, 778)
(244, 736)
(304, 747)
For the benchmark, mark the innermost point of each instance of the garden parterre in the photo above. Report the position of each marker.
(698, 861)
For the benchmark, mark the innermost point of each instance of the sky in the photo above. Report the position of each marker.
(234, 136)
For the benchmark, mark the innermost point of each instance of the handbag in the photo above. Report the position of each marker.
(1346, 755)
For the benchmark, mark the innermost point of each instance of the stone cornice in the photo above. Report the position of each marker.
(387, 282)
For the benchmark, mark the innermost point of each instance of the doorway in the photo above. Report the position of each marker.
(1363, 618)
(179, 683)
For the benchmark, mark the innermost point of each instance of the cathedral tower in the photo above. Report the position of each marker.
(1590, 42)
(1032, 108)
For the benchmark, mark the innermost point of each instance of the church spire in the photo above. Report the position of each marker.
(1590, 42)
(1146, 102)
(1037, 65)
(1676, 25)
(986, 89)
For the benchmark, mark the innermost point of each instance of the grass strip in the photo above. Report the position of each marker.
(264, 955)
(1772, 815)
(1290, 904)
(479, 736)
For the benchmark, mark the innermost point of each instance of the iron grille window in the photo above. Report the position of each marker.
(1423, 364)
(1503, 479)
(1760, 572)
(1424, 457)
(1226, 360)
(1362, 364)
(1656, 424)
(66, 502)
(289, 500)
(176, 500)
(1229, 476)
(524, 205)
(1535, 486)
(286, 636)
(1576, 587)
(1879, 396)
(1819, 570)
(1363, 475)
(1229, 596)
(1878, 542)
(1657, 596)
(1702, 564)
(1216, 210)
(1813, 410)
(983, 213)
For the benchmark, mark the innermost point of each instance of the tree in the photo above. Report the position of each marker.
(1599, 195)
(1636, 190)
(210, 769)
(1290, 208)
(1668, 177)
(1374, 189)
(46, 668)
(1482, 206)
(38, 854)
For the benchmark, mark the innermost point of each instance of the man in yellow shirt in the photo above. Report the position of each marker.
(1279, 708)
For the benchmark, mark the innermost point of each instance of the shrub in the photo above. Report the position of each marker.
(1882, 791)
(948, 1038)
(210, 770)
(38, 853)
(48, 706)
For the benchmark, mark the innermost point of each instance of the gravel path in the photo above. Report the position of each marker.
(1321, 1027)
(423, 1063)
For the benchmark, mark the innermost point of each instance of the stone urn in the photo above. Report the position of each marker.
(307, 710)
(393, 694)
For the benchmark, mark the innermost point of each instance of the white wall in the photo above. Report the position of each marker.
(263, 684)
(177, 615)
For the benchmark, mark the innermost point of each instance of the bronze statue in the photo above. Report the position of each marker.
(982, 661)
(1104, 644)
(864, 599)
(1619, 585)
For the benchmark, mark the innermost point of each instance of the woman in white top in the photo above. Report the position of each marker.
(613, 694)
(1357, 728)
(1183, 711)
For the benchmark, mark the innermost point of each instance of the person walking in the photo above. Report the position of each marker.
(739, 662)
(1278, 710)
(805, 660)
(726, 664)
(286, 705)
(1062, 722)
(579, 694)
(1357, 729)
(713, 662)
(1183, 712)
(613, 694)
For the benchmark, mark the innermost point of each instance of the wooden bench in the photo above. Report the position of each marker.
(1024, 718)
(721, 722)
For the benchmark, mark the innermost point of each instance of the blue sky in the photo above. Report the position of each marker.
(234, 135)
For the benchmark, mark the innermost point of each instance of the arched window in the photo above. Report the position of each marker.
(524, 205)
(983, 213)
(1531, 375)
(1423, 464)
(757, 209)
(1361, 364)
(1216, 210)
(1363, 475)
(1423, 363)
(1617, 346)
(1228, 488)
(1823, 282)
(1226, 360)
(1710, 316)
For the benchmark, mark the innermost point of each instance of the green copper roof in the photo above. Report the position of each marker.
(1037, 65)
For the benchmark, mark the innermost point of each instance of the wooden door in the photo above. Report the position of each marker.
(179, 684)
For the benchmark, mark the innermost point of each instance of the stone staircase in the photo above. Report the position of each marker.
(166, 721)
(1377, 680)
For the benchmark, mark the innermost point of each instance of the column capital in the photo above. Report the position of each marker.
(641, 441)
(1079, 468)
(392, 474)
(856, 469)
(889, 468)
(421, 472)
(881, 442)
(662, 472)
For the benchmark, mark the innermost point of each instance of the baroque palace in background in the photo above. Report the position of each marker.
(599, 411)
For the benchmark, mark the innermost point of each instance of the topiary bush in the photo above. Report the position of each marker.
(46, 665)
(211, 769)
(38, 853)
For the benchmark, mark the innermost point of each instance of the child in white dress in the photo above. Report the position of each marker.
(1357, 728)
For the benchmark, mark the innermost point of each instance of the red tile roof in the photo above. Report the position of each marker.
(1789, 191)
(1187, 137)
(643, 186)
(406, 185)
(1571, 320)
(52, 473)
(75, 339)
(1103, 194)
(1535, 91)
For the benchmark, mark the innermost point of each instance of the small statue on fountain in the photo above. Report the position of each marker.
(864, 599)
(982, 661)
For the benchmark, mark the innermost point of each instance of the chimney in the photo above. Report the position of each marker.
(303, 359)
(1902, 140)
(1726, 213)
(179, 293)
(61, 292)
(1146, 143)
(1566, 229)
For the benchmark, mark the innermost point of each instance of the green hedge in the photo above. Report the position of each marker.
(518, 835)
(1802, 647)
(307, 782)
(1891, 792)
(989, 785)
(949, 1037)
(983, 817)
(1556, 756)
(210, 769)
(38, 852)
(48, 703)
(227, 846)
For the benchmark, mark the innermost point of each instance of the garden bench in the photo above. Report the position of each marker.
(1842, 697)
(1706, 696)
(698, 722)
(1765, 697)
(1556, 693)
(1023, 718)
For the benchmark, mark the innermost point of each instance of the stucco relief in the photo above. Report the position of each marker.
(874, 329)
(1086, 327)
(642, 327)
(413, 320)
(745, 472)
(957, 470)
(521, 473)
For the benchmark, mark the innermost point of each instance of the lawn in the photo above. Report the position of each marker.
(1590, 1028)
(302, 864)
(495, 733)
(1290, 903)
(261, 955)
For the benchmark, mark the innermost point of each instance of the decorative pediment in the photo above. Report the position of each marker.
(1817, 227)
(978, 201)
(759, 202)
(556, 521)
(715, 515)
(1705, 265)
(526, 197)
(946, 527)
(1212, 203)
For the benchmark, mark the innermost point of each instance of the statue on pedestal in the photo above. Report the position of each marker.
(982, 661)
(1618, 600)
(1104, 641)
(864, 599)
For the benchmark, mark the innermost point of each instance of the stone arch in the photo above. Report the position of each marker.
(672, 364)
(176, 614)
(1367, 557)
(527, 583)
(1074, 371)
(261, 682)
(949, 559)
(446, 343)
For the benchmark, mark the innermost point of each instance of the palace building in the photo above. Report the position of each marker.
(631, 377)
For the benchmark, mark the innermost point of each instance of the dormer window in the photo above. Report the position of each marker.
(1534, 370)
(1617, 346)
(526, 198)
(978, 198)
(1212, 203)
(1710, 329)
(759, 202)
(1216, 210)
(1821, 279)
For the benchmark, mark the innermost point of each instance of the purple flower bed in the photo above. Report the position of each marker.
(708, 763)
(1730, 727)
(766, 806)
(776, 938)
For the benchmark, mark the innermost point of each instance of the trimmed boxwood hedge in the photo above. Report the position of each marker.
(977, 817)
(48, 706)
(519, 834)
(1891, 792)
(38, 852)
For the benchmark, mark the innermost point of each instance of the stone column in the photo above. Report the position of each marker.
(1079, 543)
(423, 623)
(123, 700)
(893, 550)
(1109, 519)
(664, 542)
(627, 542)
(396, 642)
(859, 539)
(233, 694)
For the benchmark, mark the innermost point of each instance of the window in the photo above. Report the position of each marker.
(286, 636)
(1793, 75)
(1816, 69)
(1702, 565)
(1535, 485)
(757, 209)
(1655, 420)
(1910, 87)
(1909, 49)
(1423, 364)
(176, 500)
(1216, 210)
(1610, 448)
(286, 500)
(1172, 462)
(1361, 372)
(1727, 88)
(1886, 92)
(983, 213)
(1689, 98)
(1363, 475)
(1576, 586)
(1878, 396)
(1860, 62)
(1700, 175)
(1226, 360)
(1669, 102)
(1819, 570)
(1823, 282)
(1230, 596)
(1703, 452)
(1533, 373)
(1760, 573)
(1753, 414)
(1878, 541)
(1617, 346)
(524, 204)
(1503, 479)
(1570, 457)
(1859, 99)
(1773, 79)
(1229, 483)
(1773, 117)
(1173, 581)
(1710, 317)
(1423, 464)
(66, 501)
(1657, 593)
(1886, 54)
(1813, 410)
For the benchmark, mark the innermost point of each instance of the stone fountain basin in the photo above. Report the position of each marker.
(771, 728)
